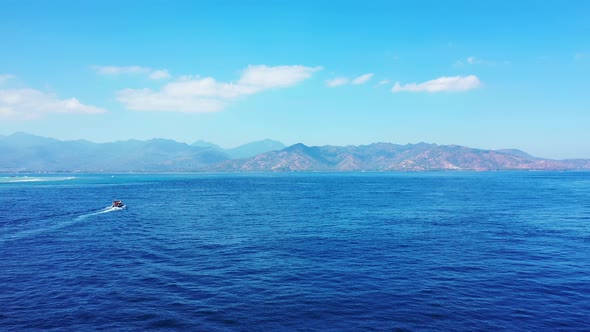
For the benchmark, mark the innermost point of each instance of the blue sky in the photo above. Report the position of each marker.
(484, 74)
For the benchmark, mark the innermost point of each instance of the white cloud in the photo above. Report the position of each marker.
(205, 94)
(159, 74)
(31, 103)
(149, 100)
(337, 82)
(263, 77)
(5, 77)
(154, 74)
(453, 84)
(362, 79)
(580, 56)
(114, 70)
(383, 82)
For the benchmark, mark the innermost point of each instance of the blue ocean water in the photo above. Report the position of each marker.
(442, 251)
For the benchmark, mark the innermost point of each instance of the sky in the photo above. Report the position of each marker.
(483, 74)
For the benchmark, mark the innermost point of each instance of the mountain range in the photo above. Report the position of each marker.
(22, 152)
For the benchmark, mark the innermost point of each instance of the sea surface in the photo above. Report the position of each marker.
(439, 251)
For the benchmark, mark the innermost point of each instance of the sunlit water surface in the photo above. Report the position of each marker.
(459, 251)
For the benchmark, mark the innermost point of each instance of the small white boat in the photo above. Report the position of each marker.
(118, 204)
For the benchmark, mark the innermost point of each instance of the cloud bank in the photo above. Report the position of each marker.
(155, 74)
(441, 84)
(32, 104)
(205, 94)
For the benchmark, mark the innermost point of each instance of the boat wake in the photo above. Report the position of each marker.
(34, 232)
(105, 210)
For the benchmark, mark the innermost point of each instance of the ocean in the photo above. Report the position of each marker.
(432, 251)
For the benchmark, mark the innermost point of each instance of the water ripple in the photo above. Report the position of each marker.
(310, 252)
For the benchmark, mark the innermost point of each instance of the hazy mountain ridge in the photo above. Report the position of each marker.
(394, 157)
(255, 148)
(243, 151)
(22, 152)
(28, 153)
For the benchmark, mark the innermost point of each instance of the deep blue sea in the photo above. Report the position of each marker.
(440, 251)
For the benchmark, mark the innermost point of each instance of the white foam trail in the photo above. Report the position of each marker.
(33, 232)
(105, 210)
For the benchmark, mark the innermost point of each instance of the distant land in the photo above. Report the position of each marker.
(23, 152)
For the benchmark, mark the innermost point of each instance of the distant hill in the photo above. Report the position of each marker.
(23, 140)
(246, 150)
(393, 157)
(516, 152)
(22, 152)
(254, 149)
(205, 144)
(28, 153)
